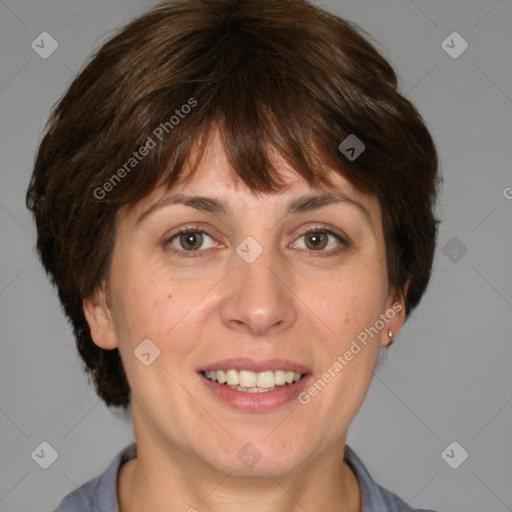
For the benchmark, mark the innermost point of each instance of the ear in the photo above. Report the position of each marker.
(99, 317)
(393, 316)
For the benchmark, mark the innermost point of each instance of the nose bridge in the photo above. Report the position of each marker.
(258, 267)
(258, 299)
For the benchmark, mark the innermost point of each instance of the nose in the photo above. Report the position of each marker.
(259, 297)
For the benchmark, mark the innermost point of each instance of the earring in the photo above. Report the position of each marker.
(390, 334)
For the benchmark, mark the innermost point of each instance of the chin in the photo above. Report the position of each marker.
(245, 458)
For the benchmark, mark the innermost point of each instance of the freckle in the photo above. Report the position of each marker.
(170, 296)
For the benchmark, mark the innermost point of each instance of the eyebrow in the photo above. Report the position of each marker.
(302, 204)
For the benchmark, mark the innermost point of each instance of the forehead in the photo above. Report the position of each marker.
(214, 177)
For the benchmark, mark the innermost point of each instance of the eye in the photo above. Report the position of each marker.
(320, 239)
(189, 240)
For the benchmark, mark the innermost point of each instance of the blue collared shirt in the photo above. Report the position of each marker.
(100, 493)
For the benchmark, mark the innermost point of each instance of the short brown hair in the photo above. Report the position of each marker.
(273, 75)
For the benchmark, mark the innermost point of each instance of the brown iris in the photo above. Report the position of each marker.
(192, 241)
(319, 240)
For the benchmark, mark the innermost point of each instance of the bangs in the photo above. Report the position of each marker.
(258, 124)
(255, 143)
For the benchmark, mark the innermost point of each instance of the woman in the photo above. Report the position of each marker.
(236, 206)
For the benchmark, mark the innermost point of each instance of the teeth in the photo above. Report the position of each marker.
(233, 378)
(289, 377)
(247, 379)
(266, 380)
(280, 376)
(252, 390)
(253, 382)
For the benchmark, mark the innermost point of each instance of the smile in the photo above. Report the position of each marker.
(253, 382)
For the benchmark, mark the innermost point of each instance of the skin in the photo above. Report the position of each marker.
(289, 303)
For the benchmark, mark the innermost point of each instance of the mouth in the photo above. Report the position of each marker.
(253, 382)
(255, 386)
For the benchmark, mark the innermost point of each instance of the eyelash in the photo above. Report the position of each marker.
(316, 229)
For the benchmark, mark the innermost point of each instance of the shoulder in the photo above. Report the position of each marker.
(100, 493)
(374, 498)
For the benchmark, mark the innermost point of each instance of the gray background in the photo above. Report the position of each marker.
(447, 377)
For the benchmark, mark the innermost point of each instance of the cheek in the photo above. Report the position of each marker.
(351, 301)
(150, 308)
(157, 306)
(349, 351)
(140, 297)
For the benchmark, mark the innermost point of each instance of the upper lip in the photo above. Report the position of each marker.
(254, 365)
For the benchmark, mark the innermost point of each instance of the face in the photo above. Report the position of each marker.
(248, 289)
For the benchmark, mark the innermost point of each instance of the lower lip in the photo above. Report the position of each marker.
(260, 401)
